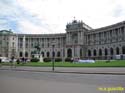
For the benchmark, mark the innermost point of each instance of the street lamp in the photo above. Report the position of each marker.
(53, 55)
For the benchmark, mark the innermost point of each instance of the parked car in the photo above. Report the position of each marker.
(4, 59)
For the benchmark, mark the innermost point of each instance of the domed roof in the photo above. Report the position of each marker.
(5, 32)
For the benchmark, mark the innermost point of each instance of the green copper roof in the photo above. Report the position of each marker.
(6, 32)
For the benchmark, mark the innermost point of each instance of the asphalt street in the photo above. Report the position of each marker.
(45, 82)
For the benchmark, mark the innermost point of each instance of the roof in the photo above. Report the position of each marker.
(6, 32)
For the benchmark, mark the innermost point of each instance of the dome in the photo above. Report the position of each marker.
(5, 32)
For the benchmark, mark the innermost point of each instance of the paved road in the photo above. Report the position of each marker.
(46, 82)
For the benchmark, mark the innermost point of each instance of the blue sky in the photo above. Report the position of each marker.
(51, 16)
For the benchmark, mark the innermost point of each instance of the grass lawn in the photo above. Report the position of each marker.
(117, 63)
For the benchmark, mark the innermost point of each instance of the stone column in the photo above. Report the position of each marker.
(124, 33)
(120, 50)
(114, 50)
(73, 51)
(16, 45)
(103, 38)
(24, 42)
(103, 53)
(69, 38)
(113, 35)
(78, 51)
(108, 50)
(97, 52)
(65, 52)
(79, 38)
(119, 36)
(30, 48)
(97, 38)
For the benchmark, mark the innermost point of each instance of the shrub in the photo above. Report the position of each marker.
(34, 60)
(68, 60)
(47, 59)
(58, 59)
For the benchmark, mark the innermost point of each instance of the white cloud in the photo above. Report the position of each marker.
(29, 28)
(51, 16)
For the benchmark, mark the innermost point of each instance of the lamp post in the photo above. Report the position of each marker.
(53, 56)
(53, 61)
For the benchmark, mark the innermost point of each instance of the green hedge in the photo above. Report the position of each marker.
(47, 59)
(68, 60)
(34, 60)
(58, 59)
(50, 59)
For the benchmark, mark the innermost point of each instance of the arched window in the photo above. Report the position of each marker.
(94, 52)
(123, 50)
(42, 54)
(53, 54)
(47, 54)
(100, 52)
(81, 52)
(117, 50)
(106, 52)
(69, 53)
(58, 54)
(21, 54)
(111, 51)
(26, 54)
(89, 52)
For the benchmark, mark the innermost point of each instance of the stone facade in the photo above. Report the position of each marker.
(79, 41)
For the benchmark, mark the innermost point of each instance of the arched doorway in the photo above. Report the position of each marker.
(32, 54)
(21, 54)
(58, 54)
(111, 51)
(81, 54)
(42, 54)
(100, 52)
(26, 54)
(89, 53)
(53, 54)
(123, 50)
(94, 52)
(69, 53)
(117, 51)
(47, 54)
(106, 52)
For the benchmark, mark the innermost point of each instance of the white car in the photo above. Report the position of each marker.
(4, 59)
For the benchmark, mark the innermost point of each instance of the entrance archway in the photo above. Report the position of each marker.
(81, 54)
(89, 53)
(69, 53)
(94, 52)
(123, 50)
(106, 52)
(111, 51)
(117, 51)
(100, 52)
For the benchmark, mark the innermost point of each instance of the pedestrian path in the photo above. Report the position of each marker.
(77, 70)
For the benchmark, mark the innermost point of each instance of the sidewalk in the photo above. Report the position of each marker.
(75, 70)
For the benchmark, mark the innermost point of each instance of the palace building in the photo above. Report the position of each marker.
(79, 41)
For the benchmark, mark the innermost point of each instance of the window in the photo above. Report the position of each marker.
(100, 52)
(58, 54)
(89, 53)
